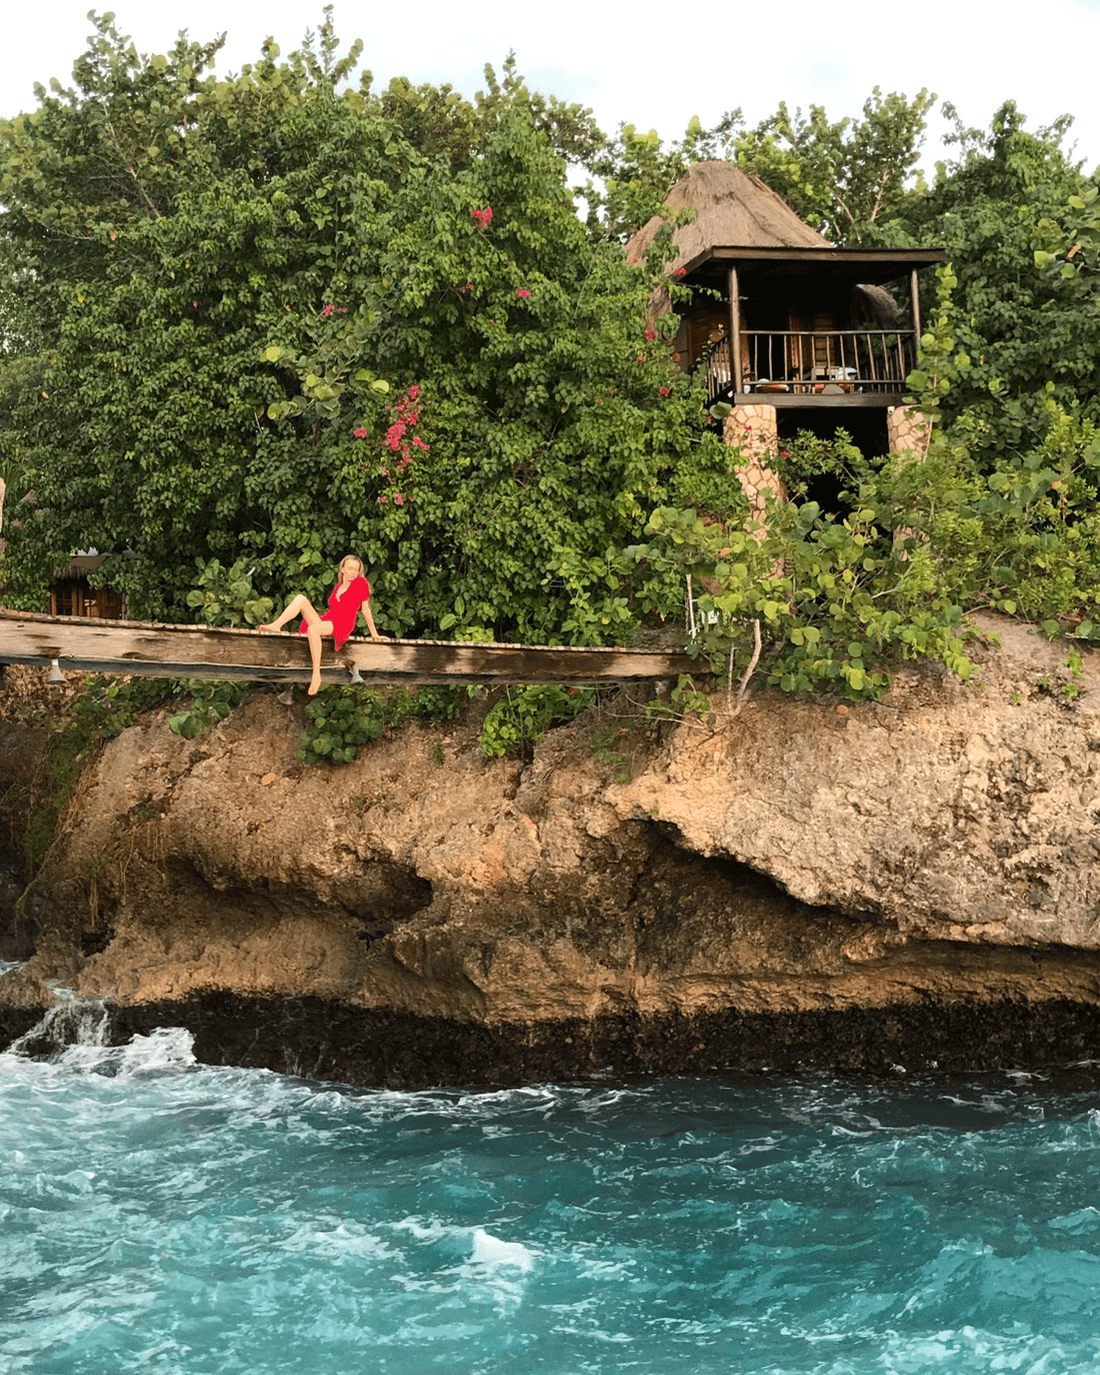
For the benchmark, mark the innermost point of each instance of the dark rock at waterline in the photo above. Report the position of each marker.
(380, 1049)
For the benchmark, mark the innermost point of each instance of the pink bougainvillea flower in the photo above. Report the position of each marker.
(398, 499)
(482, 217)
(662, 391)
(783, 453)
(395, 433)
(523, 293)
(678, 272)
(418, 443)
(640, 358)
(414, 392)
(649, 334)
(675, 357)
(383, 501)
(359, 433)
(326, 311)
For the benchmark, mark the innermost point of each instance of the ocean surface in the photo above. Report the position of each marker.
(157, 1215)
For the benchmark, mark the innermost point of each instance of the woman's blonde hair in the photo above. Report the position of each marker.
(348, 558)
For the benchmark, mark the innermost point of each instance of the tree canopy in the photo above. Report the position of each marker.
(266, 320)
(289, 319)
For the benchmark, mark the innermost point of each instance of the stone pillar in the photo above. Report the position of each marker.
(908, 431)
(752, 428)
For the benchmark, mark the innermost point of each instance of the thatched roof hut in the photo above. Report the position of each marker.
(731, 207)
(774, 307)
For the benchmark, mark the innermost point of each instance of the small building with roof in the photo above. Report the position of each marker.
(790, 330)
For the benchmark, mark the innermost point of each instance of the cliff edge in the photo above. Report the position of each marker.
(906, 883)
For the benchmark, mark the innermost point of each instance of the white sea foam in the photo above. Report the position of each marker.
(490, 1250)
(70, 1022)
(166, 1048)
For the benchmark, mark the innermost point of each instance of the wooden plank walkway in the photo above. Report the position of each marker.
(146, 649)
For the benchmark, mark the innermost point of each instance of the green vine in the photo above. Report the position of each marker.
(339, 720)
(524, 715)
(208, 703)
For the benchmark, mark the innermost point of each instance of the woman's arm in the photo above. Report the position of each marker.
(370, 622)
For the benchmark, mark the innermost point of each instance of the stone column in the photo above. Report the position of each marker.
(752, 428)
(908, 430)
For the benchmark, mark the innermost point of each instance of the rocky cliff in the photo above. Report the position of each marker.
(902, 884)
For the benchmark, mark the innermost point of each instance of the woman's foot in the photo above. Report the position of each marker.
(314, 686)
(269, 629)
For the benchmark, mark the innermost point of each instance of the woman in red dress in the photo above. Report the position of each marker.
(351, 592)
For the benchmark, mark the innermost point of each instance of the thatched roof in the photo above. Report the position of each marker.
(733, 208)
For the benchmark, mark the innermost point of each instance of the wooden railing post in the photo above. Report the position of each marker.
(735, 331)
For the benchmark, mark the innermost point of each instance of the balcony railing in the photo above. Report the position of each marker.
(813, 362)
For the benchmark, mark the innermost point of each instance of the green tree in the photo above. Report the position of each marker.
(1028, 334)
(292, 329)
(848, 178)
(440, 120)
(635, 172)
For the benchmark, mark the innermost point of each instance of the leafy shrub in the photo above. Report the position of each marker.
(225, 596)
(524, 715)
(339, 720)
(209, 702)
(106, 706)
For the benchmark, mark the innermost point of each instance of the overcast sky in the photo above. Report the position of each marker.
(700, 59)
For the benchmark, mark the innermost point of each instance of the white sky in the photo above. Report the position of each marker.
(699, 59)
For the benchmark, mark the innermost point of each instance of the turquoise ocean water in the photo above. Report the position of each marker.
(161, 1216)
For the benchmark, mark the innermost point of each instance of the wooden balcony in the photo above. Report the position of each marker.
(847, 367)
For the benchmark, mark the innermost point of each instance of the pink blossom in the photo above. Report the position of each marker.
(398, 499)
(359, 433)
(418, 443)
(395, 433)
(523, 294)
(662, 391)
(326, 311)
(649, 334)
(679, 272)
(383, 501)
(640, 358)
(482, 217)
(414, 392)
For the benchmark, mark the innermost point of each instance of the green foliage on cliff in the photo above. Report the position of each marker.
(1024, 335)
(339, 720)
(290, 320)
(252, 324)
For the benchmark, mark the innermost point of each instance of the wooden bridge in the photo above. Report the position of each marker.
(149, 650)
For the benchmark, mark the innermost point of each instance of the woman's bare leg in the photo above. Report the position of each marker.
(315, 629)
(299, 606)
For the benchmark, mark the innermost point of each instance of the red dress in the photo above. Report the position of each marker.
(343, 609)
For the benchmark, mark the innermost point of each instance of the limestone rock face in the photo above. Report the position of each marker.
(944, 812)
(800, 859)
